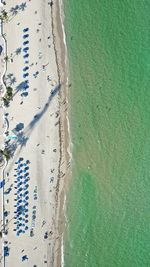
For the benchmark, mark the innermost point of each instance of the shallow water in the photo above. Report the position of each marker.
(108, 202)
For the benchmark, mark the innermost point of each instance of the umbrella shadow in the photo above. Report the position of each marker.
(23, 136)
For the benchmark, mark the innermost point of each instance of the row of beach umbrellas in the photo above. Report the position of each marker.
(21, 196)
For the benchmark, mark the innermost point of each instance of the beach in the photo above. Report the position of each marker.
(37, 135)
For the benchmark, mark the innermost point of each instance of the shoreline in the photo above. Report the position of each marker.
(65, 141)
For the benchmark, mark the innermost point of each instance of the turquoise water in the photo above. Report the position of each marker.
(108, 204)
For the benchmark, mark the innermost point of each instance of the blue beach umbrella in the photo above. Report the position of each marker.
(26, 42)
(27, 168)
(25, 69)
(26, 56)
(25, 75)
(26, 86)
(24, 94)
(25, 36)
(25, 49)
(25, 29)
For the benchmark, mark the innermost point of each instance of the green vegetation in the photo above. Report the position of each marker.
(5, 153)
(6, 58)
(4, 16)
(8, 96)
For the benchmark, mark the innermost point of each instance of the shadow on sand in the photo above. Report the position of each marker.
(23, 136)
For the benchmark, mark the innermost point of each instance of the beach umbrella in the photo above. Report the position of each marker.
(25, 56)
(27, 161)
(26, 87)
(18, 128)
(25, 75)
(26, 216)
(24, 94)
(25, 43)
(21, 159)
(25, 36)
(26, 221)
(25, 69)
(27, 168)
(25, 30)
(26, 228)
(25, 49)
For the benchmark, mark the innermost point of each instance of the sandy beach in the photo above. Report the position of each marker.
(37, 135)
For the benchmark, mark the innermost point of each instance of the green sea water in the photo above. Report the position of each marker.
(108, 204)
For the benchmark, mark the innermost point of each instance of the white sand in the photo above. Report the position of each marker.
(39, 134)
